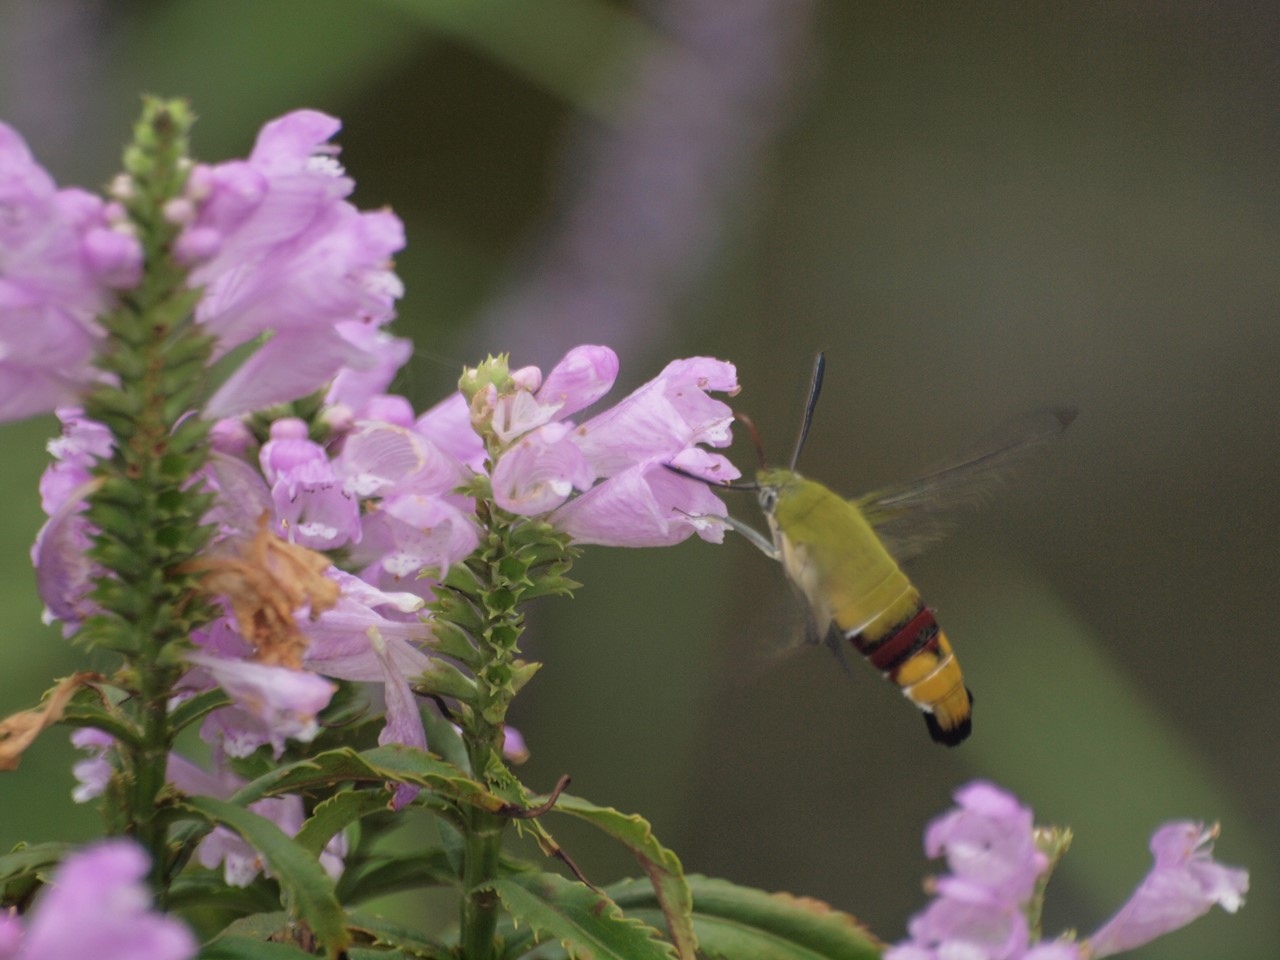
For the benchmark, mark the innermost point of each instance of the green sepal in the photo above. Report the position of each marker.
(582, 920)
(109, 633)
(463, 579)
(454, 608)
(499, 601)
(443, 679)
(494, 370)
(87, 710)
(552, 582)
(116, 409)
(117, 492)
(307, 888)
(453, 642)
(113, 519)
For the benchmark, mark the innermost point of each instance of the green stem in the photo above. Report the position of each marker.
(480, 901)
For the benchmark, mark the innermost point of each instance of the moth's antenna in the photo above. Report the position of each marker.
(815, 388)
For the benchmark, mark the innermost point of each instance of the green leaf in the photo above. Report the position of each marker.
(88, 711)
(391, 762)
(197, 708)
(584, 921)
(205, 888)
(445, 739)
(661, 865)
(379, 876)
(337, 812)
(34, 859)
(391, 934)
(308, 887)
(746, 924)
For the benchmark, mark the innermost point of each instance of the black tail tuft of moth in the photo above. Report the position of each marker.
(951, 736)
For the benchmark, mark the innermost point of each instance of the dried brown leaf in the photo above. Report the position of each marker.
(19, 731)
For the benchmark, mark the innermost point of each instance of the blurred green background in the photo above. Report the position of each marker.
(974, 209)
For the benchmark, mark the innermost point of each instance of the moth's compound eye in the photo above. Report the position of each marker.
(768, 498)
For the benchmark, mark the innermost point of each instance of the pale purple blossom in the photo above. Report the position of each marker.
(283, 701)
(972, 922)
(375, 637)
(628, 446)
(980, 909)
(98, 905)
(64, 574)
(312, 508)
(988, 841)
(62, 259)
(448, 425)
(82, 443)
(1184, 884)
(417, 522)
(514, 747)
(356, 387)
(95, 771)
(280, 252)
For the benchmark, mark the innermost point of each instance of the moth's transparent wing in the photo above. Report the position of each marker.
(909, 517)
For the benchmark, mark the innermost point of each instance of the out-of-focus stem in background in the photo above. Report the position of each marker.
(653, 189)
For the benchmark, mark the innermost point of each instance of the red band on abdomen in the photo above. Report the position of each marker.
(914, 635)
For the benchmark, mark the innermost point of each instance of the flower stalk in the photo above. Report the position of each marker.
(146, 514)
(479, 619)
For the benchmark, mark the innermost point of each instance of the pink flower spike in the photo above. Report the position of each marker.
(278, 250)
(1184, 883)
(61, 262)
(989, 840)
(98, 906)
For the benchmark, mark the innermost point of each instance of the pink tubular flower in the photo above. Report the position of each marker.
(640, 503)
(61, 261)
(416, 522)
(1182, 885)
(63, 571)
(989, 842)
(284, 702)
(279, 251)
(981, 908)
(357, 641)
(97, 905)
(311, 507)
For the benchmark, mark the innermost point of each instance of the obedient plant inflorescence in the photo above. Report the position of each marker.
(329, 588)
